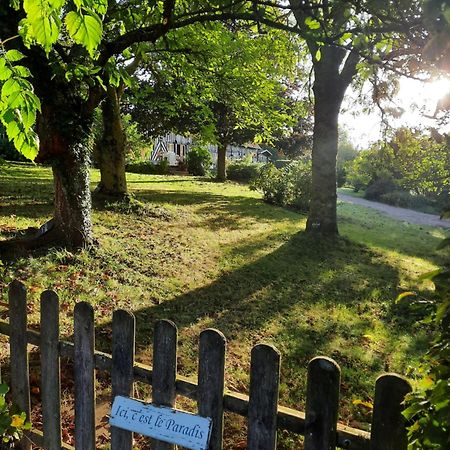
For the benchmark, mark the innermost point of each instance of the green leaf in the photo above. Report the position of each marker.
(57, 4)
(318, 55)
(5, 71)
(21, 71)
(14, 55)
(12, 130)
(312, 23)
(42, 22)
(411, 411)
(11, 85)
(28, 118)
(85, 29)
(405, 294)
(3, 389)
(429, 275)
(346, 36)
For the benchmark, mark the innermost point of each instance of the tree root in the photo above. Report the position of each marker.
(47, 236)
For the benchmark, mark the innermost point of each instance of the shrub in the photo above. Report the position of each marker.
(149, 168)
(379, 187)
(198, 161)
(289, 186)
(280, 163)
(12, 423)
(428, 406)
(405, 199)
(243, 170)
(299, 186)
(270, 183)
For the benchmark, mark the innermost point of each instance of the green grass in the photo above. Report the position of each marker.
(205, 254)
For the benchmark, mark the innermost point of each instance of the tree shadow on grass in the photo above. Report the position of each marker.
(32, 209)
(168, 181)
(293, 296)
(219, 211)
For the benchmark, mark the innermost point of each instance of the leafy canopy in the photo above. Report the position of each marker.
(218, 83)
(44, 22)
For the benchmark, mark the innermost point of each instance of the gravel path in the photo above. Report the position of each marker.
(403, 214)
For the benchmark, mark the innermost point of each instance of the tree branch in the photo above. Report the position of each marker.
(349, 69)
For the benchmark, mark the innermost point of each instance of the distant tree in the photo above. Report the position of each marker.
(230, 89)
(411, 161)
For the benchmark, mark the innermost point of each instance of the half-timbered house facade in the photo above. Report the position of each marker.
(175, 148)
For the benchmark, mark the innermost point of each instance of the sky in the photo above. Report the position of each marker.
(415, 97)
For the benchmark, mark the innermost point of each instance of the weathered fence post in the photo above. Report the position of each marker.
(388, 425)
(164, 370)
(263, 402)
(50, 371)
(322, 403)
(84, 375)
(123, 347)
(20, 378)
(211, 380)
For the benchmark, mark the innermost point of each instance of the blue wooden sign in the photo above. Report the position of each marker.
(162, 423)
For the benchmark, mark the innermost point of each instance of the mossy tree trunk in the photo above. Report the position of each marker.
(72, 217)
(110, 153)
(66, 148)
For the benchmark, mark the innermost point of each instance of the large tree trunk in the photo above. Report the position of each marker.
(72, 219)
(65, 135)
(334, 70)
(322, 214)
(110, 153)
(221, 161)
(330, 84)
(66, 148)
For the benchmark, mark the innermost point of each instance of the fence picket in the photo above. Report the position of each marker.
(322, 403)
(388, 424)
(50, 371)
(211, 381)
(263, 402)
(123, 347)
(84, 368)
(20, 379)
(164, 370)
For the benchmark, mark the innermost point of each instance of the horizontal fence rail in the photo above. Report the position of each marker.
(319, 425)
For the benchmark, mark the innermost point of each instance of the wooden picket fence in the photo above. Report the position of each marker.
(264, 416)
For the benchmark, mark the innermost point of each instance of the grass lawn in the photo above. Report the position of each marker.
(205, 254)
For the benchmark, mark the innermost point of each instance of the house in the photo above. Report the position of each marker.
(175, 148)
(172, 147)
